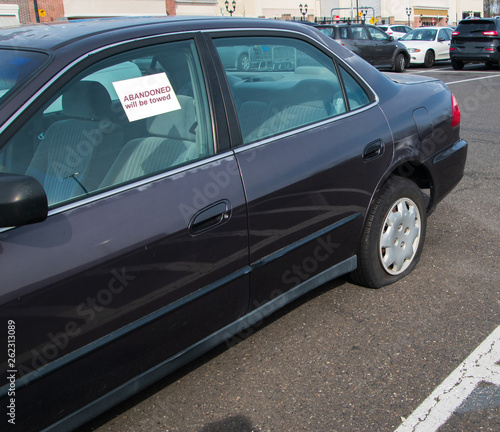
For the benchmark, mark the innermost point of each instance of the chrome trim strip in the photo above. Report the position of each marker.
(134, 185)
(289, 133)
(175, 362)
(278, 254)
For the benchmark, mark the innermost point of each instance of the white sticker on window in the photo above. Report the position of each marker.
(146, 96)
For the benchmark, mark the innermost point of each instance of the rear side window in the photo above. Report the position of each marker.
(288, 84)
(358, 33)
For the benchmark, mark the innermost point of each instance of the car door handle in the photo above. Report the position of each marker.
(373, 150)
(210, 217)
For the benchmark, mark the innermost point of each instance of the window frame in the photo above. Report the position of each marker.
(86, 61)
(237, 143)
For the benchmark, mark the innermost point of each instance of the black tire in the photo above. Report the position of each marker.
(429, 59)
(243, 62)
(393, 235)
(457, 64)
(400, 63)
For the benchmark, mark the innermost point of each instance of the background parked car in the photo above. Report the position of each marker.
(237, 57)
(427, 45)
(476, 40)
(371, 44)
(397, 31)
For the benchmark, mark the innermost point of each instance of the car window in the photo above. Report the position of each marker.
(358, 33)
(326, 30)
(444, 34)
(16, 66)
(420, 34)
(356, 95)
(289, 84)
(130, 116)
(344, 33)
(377, 34)
(475, 26)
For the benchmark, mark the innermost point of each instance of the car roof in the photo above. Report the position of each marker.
(51, 36)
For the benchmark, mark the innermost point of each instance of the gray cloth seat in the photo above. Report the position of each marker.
(76, 152)
(171, 142)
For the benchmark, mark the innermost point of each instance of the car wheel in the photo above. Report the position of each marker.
(393, 236)
(243, 62)
(457, 64)
(400, 64)
(429, 59)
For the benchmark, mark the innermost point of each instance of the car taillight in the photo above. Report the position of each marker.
(453, 49)
(490, 33)
(455, 33)
(455, 111)
(490, 49)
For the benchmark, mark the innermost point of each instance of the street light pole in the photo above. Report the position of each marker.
(303, 12)
(408, 12)
(227, 7)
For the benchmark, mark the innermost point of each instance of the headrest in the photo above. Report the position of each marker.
(178, 124)
(87, 99)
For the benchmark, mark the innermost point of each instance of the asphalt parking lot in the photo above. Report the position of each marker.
(422, 354)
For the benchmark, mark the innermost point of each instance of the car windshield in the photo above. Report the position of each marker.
(475, 26)
(16, 66)
(420, 35)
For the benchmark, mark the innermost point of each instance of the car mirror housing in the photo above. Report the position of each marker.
(391, 38)
(22, 200)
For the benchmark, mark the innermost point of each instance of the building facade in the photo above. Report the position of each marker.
(416, 12)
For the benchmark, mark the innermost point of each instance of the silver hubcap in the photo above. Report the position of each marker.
(400, 236)
(245, 63)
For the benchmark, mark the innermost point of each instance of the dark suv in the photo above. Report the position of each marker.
(370, 43)
(476, 41)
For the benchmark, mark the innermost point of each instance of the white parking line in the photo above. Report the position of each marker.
(473, 79)
(479, 367)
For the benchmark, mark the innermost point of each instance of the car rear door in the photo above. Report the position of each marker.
(383, 48)
(145, 250)
(361, 43)
(443, 44)
(312, 148)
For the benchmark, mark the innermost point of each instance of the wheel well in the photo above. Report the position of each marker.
(419, 174)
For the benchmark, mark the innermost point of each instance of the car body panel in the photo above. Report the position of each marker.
(116, 289)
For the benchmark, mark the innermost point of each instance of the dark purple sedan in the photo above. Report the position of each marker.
(154, 202)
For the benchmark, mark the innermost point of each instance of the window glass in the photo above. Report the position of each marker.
(358, 33)
(356, 95)
(288, 84)
(16, 66)
(130, 116)
(377, 34)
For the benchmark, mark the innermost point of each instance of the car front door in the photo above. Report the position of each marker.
(313, 145)
(144, 251)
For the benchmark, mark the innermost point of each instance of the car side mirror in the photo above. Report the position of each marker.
(391, 38)
(441, 39)
(22, 200)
